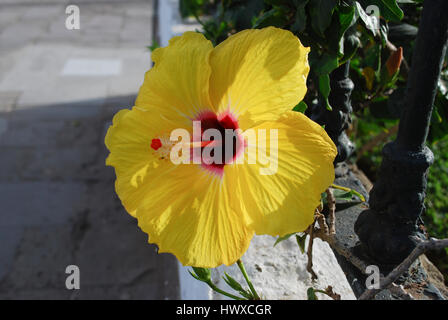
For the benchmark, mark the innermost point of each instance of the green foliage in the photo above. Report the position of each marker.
(195, 8)
(301, 242)
(311, 294)
(300, 238)
(436, 217)
(377, 110)
(301, 107)
(153, 46)
(235, 285)
(334, 29)
(439, 121)
(321, 11)
(437, 192)
(324, 89)
(389, 9)
(283, 238)
(201, 274)
(341, 31)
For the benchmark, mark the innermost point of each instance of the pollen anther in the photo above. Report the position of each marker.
(162, 145)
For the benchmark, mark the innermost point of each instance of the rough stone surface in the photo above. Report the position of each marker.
(280, 272)
(423, 281)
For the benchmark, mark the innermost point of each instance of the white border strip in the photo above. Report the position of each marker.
(189, 287)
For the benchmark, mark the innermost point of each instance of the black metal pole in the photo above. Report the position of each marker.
(337, 120)
(427, 63)
(388, 231)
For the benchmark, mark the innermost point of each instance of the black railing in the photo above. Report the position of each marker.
(338, 119)
(389, 229)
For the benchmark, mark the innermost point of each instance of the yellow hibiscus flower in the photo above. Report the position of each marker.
(206, 214)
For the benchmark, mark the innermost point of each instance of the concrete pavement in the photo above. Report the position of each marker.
(59, 90)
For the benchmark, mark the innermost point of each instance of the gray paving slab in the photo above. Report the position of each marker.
(52, 164)
(39, 203)
(58, 205)
(8, 100)
(125, 264)
(49, 133)
(38, 73)
(41, 259)
(40, 12)
(12, 236)
(87, 109)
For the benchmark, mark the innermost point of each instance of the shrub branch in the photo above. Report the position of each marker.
(422, 247)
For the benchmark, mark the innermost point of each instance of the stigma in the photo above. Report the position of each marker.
(161, 146)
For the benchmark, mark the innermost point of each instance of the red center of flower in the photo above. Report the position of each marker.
(229, 142)
(156, 144)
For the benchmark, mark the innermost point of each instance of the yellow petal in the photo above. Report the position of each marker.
(284, 202)
(184, 209)
(129, 140)
(189, 214)
(258, 74)
(177, 86)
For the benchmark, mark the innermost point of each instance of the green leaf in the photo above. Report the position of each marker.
(326, 64)
(343, 195)
(301, 107)
(343, 18)
(277, 2)
(369, 76)
(384, 34)
(194, 276)
(311, 294)
(259, 21)
(235, 285)
(276, 17)
(190, 7)
(301, 242)
(372, 57)
(321, 12)
(154, 45)
(201, 274)
(280, 239)
(436, 117)
(232, 282)
(347, 17)
(439, 123)
(389, 9)
(369, 21)
(340, 191)
(324, 89)
(300, 18)
(323, 198)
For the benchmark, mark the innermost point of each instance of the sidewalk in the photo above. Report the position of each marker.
(59, 90)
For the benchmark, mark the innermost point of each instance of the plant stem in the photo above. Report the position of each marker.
(243, 271)
(215, 288)
(356, 193)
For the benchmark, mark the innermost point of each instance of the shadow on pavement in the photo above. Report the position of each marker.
(59, 208)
